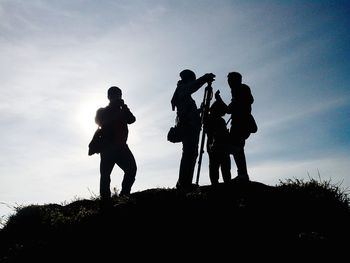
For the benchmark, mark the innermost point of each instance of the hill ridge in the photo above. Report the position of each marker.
(250, 213)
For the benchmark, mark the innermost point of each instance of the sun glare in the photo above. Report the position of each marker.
(86, 113)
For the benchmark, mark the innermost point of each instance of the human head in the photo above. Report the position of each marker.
(187, 75)
(217, 109)
(114, 93)
(234, 79)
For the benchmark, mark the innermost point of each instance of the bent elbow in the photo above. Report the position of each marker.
(131, 120)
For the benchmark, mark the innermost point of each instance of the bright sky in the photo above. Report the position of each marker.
(58, 58)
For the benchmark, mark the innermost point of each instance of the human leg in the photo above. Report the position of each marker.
(126, 161)
(241, 164)
(239, 157)
(188, 159)
(213, 168)
(225, 165)
(106, 167)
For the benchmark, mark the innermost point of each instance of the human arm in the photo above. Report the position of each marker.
(191, 87)
(198, 83)
(220, 101)
(129, 117)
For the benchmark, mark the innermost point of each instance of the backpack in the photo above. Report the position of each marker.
(97, 142)
(251, 126)
(175, 133)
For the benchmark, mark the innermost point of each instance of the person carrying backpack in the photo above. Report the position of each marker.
(242, 121)
(190, 122)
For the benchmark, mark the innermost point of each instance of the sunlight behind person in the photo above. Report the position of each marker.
(86, 112)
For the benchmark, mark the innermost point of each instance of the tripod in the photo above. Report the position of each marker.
(208, 94)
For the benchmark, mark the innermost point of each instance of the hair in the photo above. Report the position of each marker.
(114, 91)
(187, 74)
(218, 108)
(235, 76)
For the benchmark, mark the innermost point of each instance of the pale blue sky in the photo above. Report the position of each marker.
(58, 58)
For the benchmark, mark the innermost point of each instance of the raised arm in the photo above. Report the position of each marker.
(219, 100)
(129, 117)
(198, 83)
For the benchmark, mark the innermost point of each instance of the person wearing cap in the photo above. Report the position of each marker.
(114, 120)
(189, 119)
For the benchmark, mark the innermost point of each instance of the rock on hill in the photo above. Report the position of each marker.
(167, 224)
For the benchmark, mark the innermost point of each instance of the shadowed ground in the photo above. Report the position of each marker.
(222, 221)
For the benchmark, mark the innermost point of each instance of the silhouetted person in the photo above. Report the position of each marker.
(114, 120)
(189, 119)
(240, 109)
(217, 143)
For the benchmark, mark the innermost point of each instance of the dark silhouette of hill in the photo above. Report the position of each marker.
(239, 218)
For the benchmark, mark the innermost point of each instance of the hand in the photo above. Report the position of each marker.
(124, 106)
(217, 95)
(210, 77)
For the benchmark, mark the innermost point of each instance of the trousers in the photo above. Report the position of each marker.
(121, 155)
(188, 158)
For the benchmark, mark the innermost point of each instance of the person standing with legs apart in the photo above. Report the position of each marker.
(114, 120)
(241, 127)
(189, 120)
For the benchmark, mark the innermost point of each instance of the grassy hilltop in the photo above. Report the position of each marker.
(224, 220)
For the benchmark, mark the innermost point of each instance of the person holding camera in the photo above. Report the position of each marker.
(189, 119)
(114, 120)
